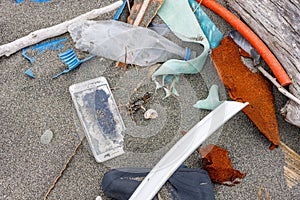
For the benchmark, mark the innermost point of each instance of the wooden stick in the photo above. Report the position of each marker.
(59, 29)
(63, 169)
(279, 87)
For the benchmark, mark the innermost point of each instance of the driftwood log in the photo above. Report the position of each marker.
(277, 24)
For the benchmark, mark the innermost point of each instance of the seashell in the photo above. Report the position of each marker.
(150, 114)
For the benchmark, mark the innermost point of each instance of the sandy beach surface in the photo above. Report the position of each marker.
(29, 107)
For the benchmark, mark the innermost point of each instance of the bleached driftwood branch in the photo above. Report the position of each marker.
(59, 29)
(277, 24)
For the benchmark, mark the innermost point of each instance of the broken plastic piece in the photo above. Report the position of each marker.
(29, 73)
(123, 42)
(210, 30)
(69, 58)
(40, 1)
(245, 45)
(183, 23)
(212, 101)
(161, 29)
(218, 165)
(185, 183)
(51, 45)
(47, 137)
(164, 169)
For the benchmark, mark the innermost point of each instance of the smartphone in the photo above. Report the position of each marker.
(100, 118)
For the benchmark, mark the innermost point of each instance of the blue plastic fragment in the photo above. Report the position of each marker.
(29, 73)
(37, 1)
(69, 58)
(120, 10)
(188, 54)
(51, 45)
(210, 30)
(40, 1)
(26, 56)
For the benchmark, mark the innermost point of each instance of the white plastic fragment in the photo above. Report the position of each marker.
(150, 114)
(59, 29)
(47, 137)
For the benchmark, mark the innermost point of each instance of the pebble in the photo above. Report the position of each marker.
(47, 137)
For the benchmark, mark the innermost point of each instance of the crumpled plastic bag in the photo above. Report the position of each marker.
(123, 42)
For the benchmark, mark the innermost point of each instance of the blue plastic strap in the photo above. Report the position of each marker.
(120, 10)
(188, 54)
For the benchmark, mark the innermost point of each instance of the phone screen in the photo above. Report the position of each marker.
(100, 118)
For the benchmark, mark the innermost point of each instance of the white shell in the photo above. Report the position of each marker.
(150, 114)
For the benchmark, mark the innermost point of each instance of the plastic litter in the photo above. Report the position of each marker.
(212, 33)
(41, 48)
(245, 45)
(123, 42)
(29, 73)
(69, 58)
(183, 148)
(161, 29)
(100, 118)
(212, 101)
(47, 137)
(185, 183)
(38, 1)
(183, 23)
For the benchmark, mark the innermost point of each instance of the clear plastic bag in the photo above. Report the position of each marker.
(123, 42)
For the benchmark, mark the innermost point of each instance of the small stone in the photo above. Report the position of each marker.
(47, 137)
